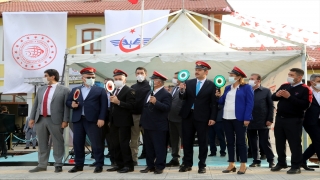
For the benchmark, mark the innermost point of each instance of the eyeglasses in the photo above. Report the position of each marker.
(90, 77)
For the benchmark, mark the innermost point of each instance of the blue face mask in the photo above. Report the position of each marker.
(232, 80)
(90, 82)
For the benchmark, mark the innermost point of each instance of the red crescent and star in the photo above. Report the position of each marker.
(125, 49)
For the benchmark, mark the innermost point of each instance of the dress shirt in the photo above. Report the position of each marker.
(84, 91)
(154, 93)
(201, 84)
(175, 90)
(50, 95)
(297, 84)
(229, 110)
(108, 95)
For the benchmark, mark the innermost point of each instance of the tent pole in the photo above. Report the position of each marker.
(142, 15)
(201, 25)
(64, 66)
(304, 67)
(245, 28)
(125, 30)
(66, 131)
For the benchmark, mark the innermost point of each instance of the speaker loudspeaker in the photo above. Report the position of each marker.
(23, 109)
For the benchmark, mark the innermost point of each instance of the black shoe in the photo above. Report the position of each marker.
(185, 169)
(212, 155)
(58, 169)
(294, 171)
(135, 163)
(305, 167)
(92, 165)
(234, 169)
(26, 148)
(271, 165)
(148, 169)
(142, 156)
(263, 157)
(223, 154)
(240, 172)
(37, 169)
(108, 155)
(255, 165)
(98, 169)
(158, 171)
(173, 163)
(75, 169)
(34, 148)
(126, 170)
(278, 168)
(116, 168)
(202, 170)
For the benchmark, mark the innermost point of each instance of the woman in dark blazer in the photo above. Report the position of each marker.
(238, 105)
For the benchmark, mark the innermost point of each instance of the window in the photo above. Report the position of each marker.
(88, 35)
(90, 26)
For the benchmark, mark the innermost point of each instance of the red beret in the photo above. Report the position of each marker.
(238, 72)
(88, 70)
(157, 75)
(202, 65)
(117, 72)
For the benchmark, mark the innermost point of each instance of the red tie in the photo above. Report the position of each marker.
(45, 103)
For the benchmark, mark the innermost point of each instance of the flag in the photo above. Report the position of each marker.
(130, 41)
(36, 41)
(133, 1)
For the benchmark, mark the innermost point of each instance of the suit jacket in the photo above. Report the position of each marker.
(311, 116)
(59, 111)
(205, 103)
(95, 104)
(121, 115)
(175, 107)
(155, 116)
(244, 101)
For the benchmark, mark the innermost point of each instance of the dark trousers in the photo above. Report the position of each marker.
(236, 138)
(288, 129)
(175, 130)
(3, 147)
(217, 130)
(143, 145)
(156, 148)
(314, 134)
(80, 130)
(260, 138)
(121, 137)
(189, 127)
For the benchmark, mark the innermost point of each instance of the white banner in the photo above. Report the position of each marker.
(33, 42)
(130, 41)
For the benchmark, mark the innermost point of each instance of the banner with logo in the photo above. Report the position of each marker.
(130, 41)
(33, 42)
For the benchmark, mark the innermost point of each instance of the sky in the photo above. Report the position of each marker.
(304, 14)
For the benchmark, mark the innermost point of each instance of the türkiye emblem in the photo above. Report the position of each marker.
(131, 43)
(34, 51)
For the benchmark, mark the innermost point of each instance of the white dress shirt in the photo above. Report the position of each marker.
(85, 91)
(154, 93)
(175, 90)
(229, 110)
(50, 95)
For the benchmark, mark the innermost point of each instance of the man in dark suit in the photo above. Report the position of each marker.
(122, 104)
(198, 112)
(311, 122)
(175, 129)
(89, 112)
(154, 120)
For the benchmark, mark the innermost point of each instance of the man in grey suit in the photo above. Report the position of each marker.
(30, 132)
(51, 116)
(175, 129)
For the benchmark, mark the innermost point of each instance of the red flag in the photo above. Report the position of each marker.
(242, 24)
(300, 30)
(272, 31)
(262, 47)
(305, 39)
(256, 24)
(248, 24)
(275, 40)
(133, 1)
(252, 35)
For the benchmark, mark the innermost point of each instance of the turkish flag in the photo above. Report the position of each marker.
(252, 35)
(133, 1)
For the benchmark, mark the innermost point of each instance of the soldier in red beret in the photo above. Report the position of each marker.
(198, 112)
(237, 100)
(154, 120)
(122, 104)
(89, 112)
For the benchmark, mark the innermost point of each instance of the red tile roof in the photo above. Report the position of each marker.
(97, 8)
(313, 53)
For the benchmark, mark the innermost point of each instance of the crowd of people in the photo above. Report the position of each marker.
(239, 117)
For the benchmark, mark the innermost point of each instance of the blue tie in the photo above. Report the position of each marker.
(197, 91)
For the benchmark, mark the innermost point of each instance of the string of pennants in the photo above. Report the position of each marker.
(300, 35)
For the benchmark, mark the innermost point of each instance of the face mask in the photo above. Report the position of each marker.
(174, 81)
(290, 80)
(45, 80)
(90, 82)
(140, 78)
(232, 80)
(317, 86)
(118, 84)
(251, 83)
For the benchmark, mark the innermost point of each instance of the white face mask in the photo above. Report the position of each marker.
(290, 80)
(90, 82)
(118, 84)
(252, 83)
(174, 81)
(45, 80)
(317, 86)
(232, 80)
(140, 78)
